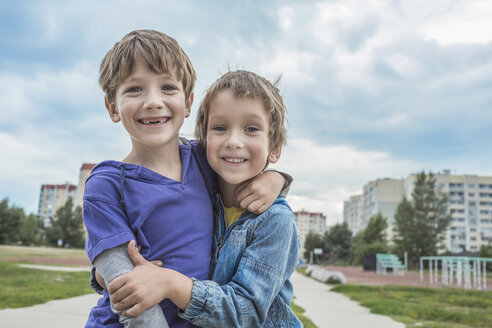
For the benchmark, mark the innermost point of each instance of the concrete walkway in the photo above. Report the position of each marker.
(67, 313)
(323, 307)
(330, 309)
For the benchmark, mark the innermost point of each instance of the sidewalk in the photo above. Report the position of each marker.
(67, 313)
(324, 308)
(330, 309)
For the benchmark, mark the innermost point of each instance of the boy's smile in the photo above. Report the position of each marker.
(151, 106)
(237, 138)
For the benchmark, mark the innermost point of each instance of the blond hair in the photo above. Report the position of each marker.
(244, 84)
(161, 52)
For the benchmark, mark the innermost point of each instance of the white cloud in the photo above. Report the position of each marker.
(326, 175)
(464, 22)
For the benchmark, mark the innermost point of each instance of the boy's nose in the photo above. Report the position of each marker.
(153, 100)
(234, 140)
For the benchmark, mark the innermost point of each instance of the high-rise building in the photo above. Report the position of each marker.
(52, 197)
(352, 209)
(378, 196)
(309, 222)
(470, 204)
(85, 171)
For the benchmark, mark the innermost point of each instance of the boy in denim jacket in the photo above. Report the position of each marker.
(241, 123)
(157, 195)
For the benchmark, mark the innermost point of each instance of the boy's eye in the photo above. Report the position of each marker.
(168, 87)
(134, 89)
(219, 128)
(252, 129)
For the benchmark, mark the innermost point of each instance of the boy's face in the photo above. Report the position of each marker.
(237, 138)
(152, 106)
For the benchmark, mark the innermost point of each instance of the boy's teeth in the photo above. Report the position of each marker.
(161, 121)
(234, 160)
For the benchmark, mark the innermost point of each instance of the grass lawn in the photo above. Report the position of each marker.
(20, 287)
(299, 312)
(23, 252)
(428, 307)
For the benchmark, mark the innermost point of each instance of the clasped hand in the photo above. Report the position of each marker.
(143, 287)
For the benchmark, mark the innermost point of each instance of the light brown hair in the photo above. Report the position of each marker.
(161, 52)
(244, 84)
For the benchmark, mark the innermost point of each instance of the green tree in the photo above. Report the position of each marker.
(337, 243)
(420, 223)
(312, 241)
(28, 230)
(67, 226)
(10, 221)
(372, 239)
(486, 251)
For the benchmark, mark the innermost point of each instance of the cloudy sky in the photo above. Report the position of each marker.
(373, 88)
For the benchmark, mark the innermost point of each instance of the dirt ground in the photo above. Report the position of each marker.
(356, 276)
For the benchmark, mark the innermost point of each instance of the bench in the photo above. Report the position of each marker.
(389, 261)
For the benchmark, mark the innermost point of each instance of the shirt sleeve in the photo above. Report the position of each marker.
(114, 262)
(266, 264)
(288, 182)
(107, 226)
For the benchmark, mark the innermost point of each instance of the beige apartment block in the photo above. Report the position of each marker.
(52, 197)
(352, 209)
(309, 222)
(470, 204)
(378, 196)
(85, 171)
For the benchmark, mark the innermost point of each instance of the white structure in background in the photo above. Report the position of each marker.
(52, 197)
(469, 272)
(309, 222)
(378, 196)
(470, 203)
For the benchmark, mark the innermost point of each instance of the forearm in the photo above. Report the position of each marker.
(180, 288)
(115, 262)
(230, 305)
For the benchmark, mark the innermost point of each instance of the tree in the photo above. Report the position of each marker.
(312, 241)
(67, 226)
(28, 230)
(420, 223)
(337, 242)
(10, 220)
(486, 251)
(372, 239)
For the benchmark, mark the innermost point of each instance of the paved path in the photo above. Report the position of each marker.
(323, 307)
(67, 313)
(330, 309)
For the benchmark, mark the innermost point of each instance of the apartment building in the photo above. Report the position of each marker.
(470, 204)
(85, 171)
(309, 222)
(52, 197)
(378, 196)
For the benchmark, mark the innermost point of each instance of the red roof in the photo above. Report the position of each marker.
(310, 213)
(87, 166)
(60, 186)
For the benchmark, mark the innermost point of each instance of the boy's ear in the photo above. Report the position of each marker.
(113, 113)
(274, 155)
(188, 104)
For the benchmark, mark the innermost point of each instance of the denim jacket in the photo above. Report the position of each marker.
(254, 259)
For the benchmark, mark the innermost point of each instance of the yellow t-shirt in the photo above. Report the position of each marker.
(232, 214)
